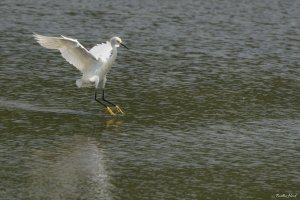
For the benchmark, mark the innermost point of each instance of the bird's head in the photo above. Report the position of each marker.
(116, 41)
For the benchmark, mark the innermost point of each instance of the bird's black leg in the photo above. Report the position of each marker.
(118, 109)
(103, 98)
(108, 109)
(98, 99)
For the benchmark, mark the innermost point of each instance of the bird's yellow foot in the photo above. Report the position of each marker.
(118, 109)
(108, 109)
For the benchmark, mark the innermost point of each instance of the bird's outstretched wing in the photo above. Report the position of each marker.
(70, 49)
(102, 51)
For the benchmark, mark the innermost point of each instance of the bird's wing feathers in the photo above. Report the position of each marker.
(102, 51)
(70, 49)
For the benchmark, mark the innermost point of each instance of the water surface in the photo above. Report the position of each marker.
(210, 90)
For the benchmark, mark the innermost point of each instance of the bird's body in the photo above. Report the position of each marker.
(97, 73)
(93, 64)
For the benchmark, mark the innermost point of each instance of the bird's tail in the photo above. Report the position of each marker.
(81, 83)
(48, 42)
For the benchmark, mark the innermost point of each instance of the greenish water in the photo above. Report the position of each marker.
(210, 90)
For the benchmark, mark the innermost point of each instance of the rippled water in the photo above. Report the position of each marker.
(210, 90)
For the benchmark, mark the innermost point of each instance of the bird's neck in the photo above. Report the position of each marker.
(114, 52)
(114, 55)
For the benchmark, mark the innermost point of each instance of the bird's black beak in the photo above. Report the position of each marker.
(124, 45)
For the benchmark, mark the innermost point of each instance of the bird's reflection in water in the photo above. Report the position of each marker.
(116, 123)
(73, 169)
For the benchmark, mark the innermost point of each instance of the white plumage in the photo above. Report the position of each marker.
(93, 64)
(102, 51)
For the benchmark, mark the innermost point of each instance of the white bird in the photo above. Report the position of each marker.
(93, 64)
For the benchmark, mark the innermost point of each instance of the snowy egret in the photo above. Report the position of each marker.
(93, 64)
